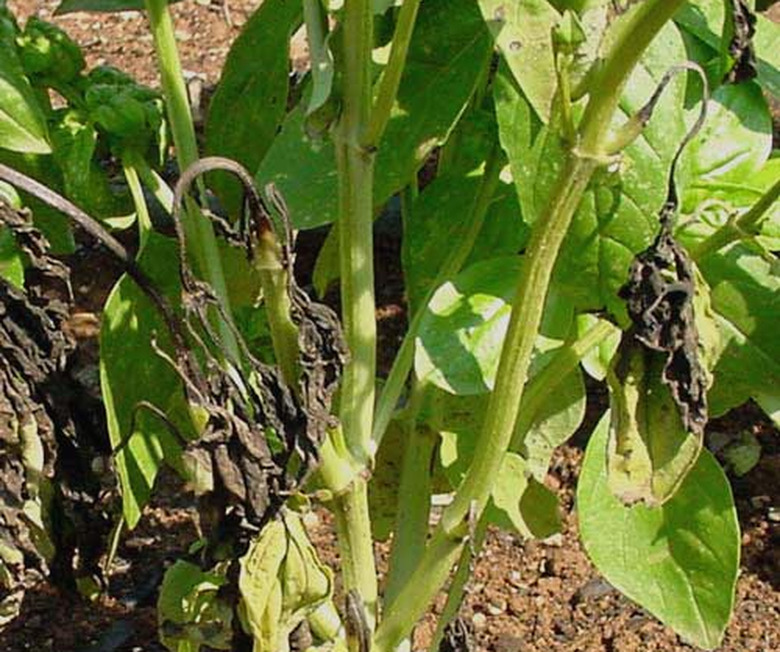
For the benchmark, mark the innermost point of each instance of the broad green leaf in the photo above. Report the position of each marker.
(618, 214)
(678, 561)
(436, 86)
(459, 342)
(441, 216)
(52, 223)
(191, 612)
(745, 291)
(251, 99)
(22, 120)
(304, 171)
(521, 503)
(722, 161)
(518, 127)
(523, 32)
(131, 372)
(383, 488)
(770, 403)
(101, 6)
(704, 19)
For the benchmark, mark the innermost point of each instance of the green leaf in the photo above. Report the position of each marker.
(131, 372)
(11, 265)
(251, 99)
(704, 19)
(523, 32)
(383, 488)
(618, 214)
(442, 214)
(436, 86)
(101, 6)
(722, 161)
(745, 291)
(53, 224)
(520, 503)
(22, 120)
(678, 561)
(461, 333)
(190, 611)
(596, 361)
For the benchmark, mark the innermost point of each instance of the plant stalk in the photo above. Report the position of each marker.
(744, 226)
(541, 254)
(356, 260)
(391, 77)
(402, 364)
(200, 234)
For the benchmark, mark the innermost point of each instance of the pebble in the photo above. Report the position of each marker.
(182, 35)
(497, 607)
(774, 514)
(479, 620)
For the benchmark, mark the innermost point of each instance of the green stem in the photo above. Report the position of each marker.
(136, 192)
(391, 77)
(355, 227)
(527, 309)
(413, 505)
(274, 283)
(457, 586)
(200, 235)
(353, 528)
(744, 226)
(404, 359)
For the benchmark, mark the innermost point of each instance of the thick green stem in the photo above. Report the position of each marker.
(546, 238)
(200, 235)
(404, 359)
(391, 77)
(356, 174)
(356, 549)
(744, 226)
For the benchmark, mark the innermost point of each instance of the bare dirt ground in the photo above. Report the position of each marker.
(526, 596)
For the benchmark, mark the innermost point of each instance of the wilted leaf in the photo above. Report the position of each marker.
(679, 561)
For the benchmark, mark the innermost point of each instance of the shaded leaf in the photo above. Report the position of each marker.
(101, 6)
(251, 98)
(131, 372)
(679, 561)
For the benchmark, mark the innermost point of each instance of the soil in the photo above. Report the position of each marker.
(525, 595)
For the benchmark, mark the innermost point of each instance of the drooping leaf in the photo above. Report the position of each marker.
(22, 120)
(679, 561)
(436, 85)
(461, 333)
(523, 32)
(131, 372)
(383, 488)
(251, 99)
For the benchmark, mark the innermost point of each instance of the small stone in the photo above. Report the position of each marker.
(496, 607)
(774, 515)
(311, 520)
(182, 35)
(759, 502)
(479, 620)
(515, 578)
(556, 540)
